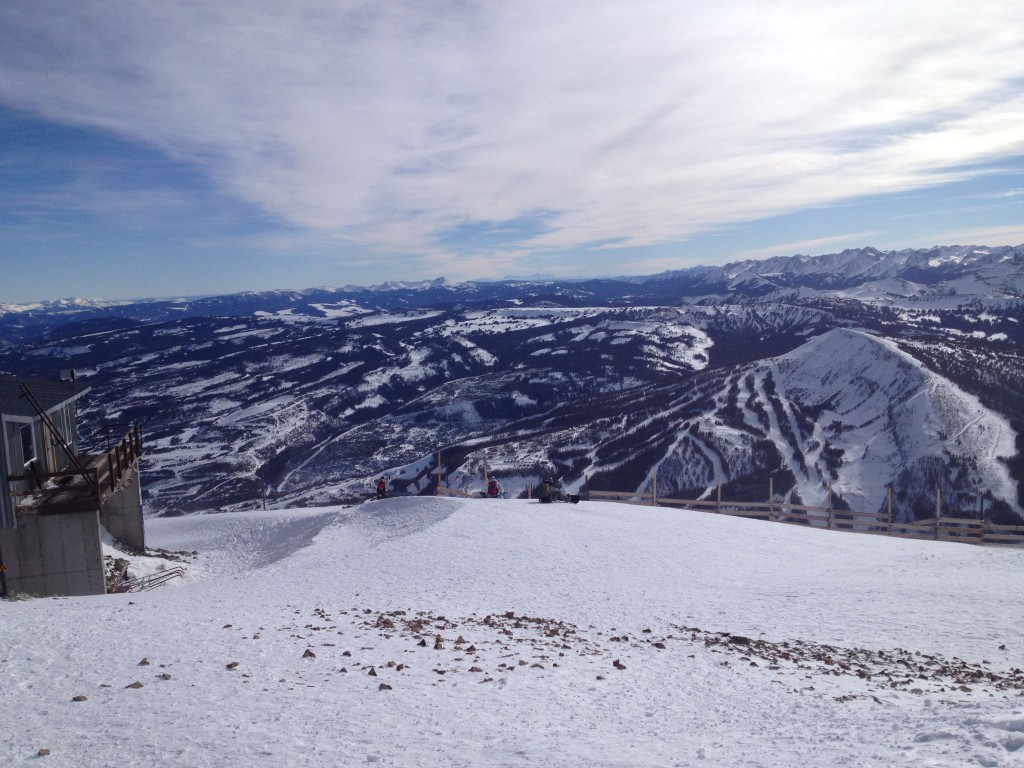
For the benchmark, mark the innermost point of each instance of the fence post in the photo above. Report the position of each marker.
(654, 489)
(771, 499)
(889, 497)
(981, 518)
(829, 521)
(938, 510)
(438, 471)
(718, 501)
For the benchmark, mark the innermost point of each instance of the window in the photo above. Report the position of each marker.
(28, 444)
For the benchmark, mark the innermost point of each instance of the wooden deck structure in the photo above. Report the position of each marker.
(74, 489)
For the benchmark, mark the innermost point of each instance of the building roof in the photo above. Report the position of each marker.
(50, 394)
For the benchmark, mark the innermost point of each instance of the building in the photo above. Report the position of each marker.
(55, 502)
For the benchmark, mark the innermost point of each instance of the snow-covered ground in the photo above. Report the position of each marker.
(449, 632)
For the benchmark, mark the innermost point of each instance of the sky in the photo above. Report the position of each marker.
(172, 148)
(596, 634)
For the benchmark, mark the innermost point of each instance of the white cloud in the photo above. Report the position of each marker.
(1009, 235)
(389, 124)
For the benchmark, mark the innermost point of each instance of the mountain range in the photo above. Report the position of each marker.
(827, 379)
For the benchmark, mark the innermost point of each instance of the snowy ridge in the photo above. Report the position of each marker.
(442, 632)
(57, 305)
(888, 416)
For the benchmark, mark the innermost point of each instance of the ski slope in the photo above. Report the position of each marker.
(450, 632)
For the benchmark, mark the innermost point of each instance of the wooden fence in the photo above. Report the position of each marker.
(939, 528)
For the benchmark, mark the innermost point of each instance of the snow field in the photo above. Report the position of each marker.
(545, 600)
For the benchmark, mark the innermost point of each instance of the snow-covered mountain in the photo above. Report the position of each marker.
(801, 372)
(937, 273)
(454, 633)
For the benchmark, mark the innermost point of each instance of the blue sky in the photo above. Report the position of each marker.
(168, 148)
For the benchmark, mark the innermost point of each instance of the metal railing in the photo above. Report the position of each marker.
(150, 581)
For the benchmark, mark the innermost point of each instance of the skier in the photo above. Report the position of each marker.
(382, 488)
(549, 492)
(494, 489)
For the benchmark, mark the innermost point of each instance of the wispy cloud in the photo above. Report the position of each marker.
(394, 125)
(1009, 235)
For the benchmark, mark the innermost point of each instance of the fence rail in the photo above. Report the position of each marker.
(939, 528)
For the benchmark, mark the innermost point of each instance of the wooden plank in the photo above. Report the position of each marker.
(813, 516)
(453, 492)
(744, 513)
(1005, 540)
(52, 475)
(800, 507)
(961, 523)
(793, 519)
(971, 531)
(918, 526)
(1005, 528)
(687, 502)
(746, 504)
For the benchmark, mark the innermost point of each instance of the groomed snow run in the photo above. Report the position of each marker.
(447, 632)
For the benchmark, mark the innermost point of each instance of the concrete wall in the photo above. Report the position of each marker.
(121, 513)
(54, 555)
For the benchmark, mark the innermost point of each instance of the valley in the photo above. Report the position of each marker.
(827, 375)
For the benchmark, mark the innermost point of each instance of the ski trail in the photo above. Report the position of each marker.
(319, 449)
(781, 443)
(714, 458)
